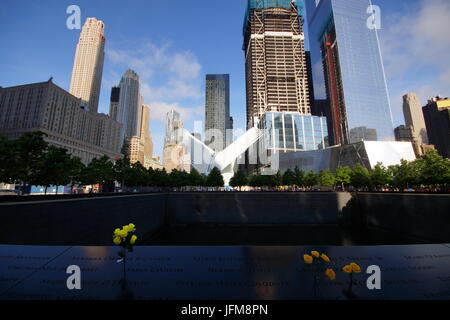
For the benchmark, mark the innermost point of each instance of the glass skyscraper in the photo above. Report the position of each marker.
(348, 70)
(293, 131)
(217, 112)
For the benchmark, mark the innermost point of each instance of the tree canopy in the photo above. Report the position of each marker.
(30, 160)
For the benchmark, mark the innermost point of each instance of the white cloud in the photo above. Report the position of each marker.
(167, 77)
(185, 65)
(415, 49)
(158, 111)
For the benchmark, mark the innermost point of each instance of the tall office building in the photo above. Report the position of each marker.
(88, 64)
(276, 70)
(217, 112)
(348, 70)
(437, 119)
(46, 107)
(174, 128)
(404, 133)
(412, 111)
(174, 154)
(114, 102)
(140, 148)
(128, 110)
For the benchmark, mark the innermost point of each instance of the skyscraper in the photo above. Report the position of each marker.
(276, 70)
(412, 111)
(88, 64)
(145, 134)
(348, 70)
(404, 133)
(174, 151)
(129, 108)
(140, 148)
(173, 128)
(437, 119)
(114, 102)
(217, 111)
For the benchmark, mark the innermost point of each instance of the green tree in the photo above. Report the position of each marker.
(53, 168)
(122, 171)
(161, 178)
(299, 177)
(179, 178)
(404, 175)
(277, 179)
(27, 154)
(215, 178)
(254, 180)
(7, 160)
(75, 172)
(137, 176)
(380, 176)
(239, 179)
(342, 178)
(289, 178)
(195, 178)
(311, 179)
(434, 169)
(360, 177)
(326, 178)
(99, 171)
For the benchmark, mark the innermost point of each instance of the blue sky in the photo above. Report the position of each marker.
(173, 44)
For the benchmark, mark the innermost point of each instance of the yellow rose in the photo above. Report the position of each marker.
(325, 258)
(330, 274)
(126, 228)
(315, 254)
(355, 268)
(347, 269)
(133, 239)
(123, 234)
(308, 259)
(116, 232)
(117, 240)
(131, 227)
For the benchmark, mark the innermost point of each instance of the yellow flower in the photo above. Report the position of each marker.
(126, 228)
(355, 268)
(308, 259)
(315, 254)
(347, 269)
(133, 239)
(121, 233)
(117, 240)
(330, 274)
(117, 232)
(131, 227)
(325, 258)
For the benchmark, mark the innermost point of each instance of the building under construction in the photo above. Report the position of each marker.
(276, 69)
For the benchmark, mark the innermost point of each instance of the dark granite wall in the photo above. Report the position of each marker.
(257, 208)
(91, 221)
(79, 222)
(422, 216)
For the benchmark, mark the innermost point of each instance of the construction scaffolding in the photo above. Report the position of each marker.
(276, 69)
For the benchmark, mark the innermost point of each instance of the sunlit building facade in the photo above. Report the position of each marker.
(348, 70)
(88, 64)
